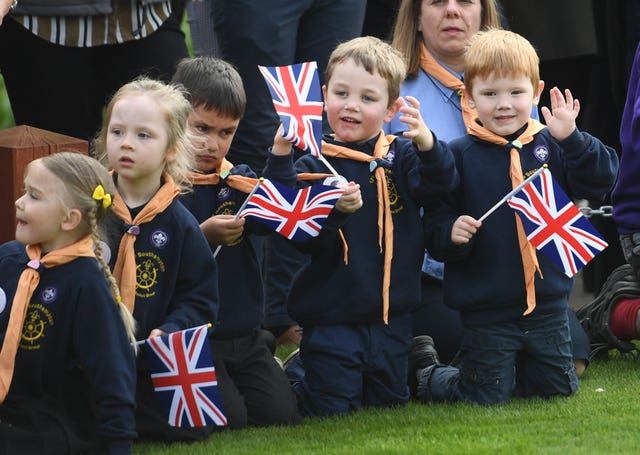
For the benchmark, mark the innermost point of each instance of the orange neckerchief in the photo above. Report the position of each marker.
(239, 182)
(431, 66)
(527, 250)
(125, 268)
(29, 280)
(385, 222)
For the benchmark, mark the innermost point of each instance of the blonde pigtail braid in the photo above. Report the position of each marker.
(127, 317)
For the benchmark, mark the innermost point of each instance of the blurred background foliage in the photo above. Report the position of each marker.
(6, 117)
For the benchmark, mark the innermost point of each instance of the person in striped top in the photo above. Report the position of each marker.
(80, 53)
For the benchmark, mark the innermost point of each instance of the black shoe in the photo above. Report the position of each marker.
(595, 316)
(423, 354)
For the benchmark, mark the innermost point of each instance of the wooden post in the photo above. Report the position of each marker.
(18, 147)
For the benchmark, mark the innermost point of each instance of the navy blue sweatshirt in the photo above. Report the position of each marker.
(177, 276)
(484, 279)
(74, 352)
(328, 291)
(239, 273)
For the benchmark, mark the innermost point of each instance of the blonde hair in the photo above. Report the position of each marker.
(407, 37)
(374, 55)
(500, 52)
(81, 175)
(176, 108)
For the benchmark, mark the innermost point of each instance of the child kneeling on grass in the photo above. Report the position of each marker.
(252, 386)
(355, 298)
(516, 339)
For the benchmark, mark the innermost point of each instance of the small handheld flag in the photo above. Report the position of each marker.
(554, 225)
(296, 214)
(295, 90)
(184, 378)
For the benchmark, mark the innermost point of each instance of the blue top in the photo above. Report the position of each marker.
(485, 278)
(439, 106)
(626, 194)
(328, 291)
(74, 352)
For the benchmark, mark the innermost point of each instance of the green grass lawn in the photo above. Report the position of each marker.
(602, 418)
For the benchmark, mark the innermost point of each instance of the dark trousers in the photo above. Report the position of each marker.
(252, 386)
(64, 89)
(345, 367)
(277, 32)
(530, 357)
(442, 323)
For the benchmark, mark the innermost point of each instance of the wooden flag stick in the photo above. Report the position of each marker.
(512, 192)
(141, 342)
(244, 204)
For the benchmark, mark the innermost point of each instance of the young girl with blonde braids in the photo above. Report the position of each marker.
(163, 264)
(67, 367)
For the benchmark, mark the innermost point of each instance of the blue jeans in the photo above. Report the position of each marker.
(529, 357)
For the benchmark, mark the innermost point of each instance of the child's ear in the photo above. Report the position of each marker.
(467, 95)
(71, 220)
(324, 97)
(392, 110)
(538, 93)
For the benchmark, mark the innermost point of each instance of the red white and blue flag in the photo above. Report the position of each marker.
(295, 90)
(297, 214)
(184, 378)
(554, 225)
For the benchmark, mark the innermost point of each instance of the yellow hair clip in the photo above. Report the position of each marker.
(100, 195)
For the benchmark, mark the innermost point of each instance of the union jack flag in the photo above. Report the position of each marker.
(184, 378)
(554, 225)
(296, 214)
(295, 90)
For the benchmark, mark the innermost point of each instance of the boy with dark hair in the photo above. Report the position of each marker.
(516, 333)
(253, 387)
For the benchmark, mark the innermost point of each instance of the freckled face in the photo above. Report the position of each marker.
(215, 133)
(503, 104)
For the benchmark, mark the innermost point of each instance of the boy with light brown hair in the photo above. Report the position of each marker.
(355, 298)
